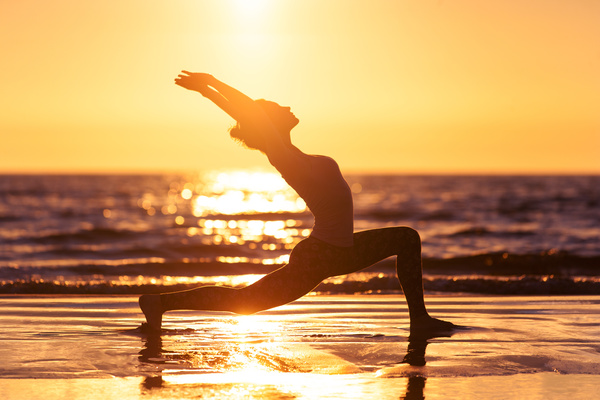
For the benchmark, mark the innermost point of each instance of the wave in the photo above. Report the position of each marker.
(524, 285)
(86, 235)
(406, 214)
(137, 268)
(207, 262)
(9, 218)
(380, 284)
(508, 264)
(482, 231)
(501, 273)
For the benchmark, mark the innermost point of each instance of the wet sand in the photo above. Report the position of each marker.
(338, 347)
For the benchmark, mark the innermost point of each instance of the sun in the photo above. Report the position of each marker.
(250, 8)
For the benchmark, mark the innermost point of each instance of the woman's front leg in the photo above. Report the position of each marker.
(375, 245)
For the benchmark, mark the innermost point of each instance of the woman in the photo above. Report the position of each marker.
(331, 249)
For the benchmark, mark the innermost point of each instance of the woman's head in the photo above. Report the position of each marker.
(281, 117)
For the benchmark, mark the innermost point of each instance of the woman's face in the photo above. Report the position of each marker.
(282, 117)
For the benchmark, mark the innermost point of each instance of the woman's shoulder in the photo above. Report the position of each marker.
(325, 163)
(296, 165)
(315, 162)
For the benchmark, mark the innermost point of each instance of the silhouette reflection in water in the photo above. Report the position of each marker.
(231, 357)
(415, 356)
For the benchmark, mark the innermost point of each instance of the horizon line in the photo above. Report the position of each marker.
(348, 171)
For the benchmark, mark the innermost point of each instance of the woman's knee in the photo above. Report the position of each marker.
(408, 235)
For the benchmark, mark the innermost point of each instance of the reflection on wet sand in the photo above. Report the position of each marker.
(415, 356)
(352, 347)
(207, 358)
(264, 371)
(415, 388)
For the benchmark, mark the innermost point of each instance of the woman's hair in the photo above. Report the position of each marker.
(249, 137)
(246, 137)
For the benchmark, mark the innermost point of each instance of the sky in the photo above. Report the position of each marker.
(394, 86)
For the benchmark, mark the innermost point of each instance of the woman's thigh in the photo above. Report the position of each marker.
(374, 245)
(314, 260)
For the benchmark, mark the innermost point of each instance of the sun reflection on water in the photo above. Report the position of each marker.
(243, 192)
(242, 344)
(252, 211)
(226, 217)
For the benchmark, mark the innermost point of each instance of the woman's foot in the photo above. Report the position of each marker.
(152, 308)
(426, 326)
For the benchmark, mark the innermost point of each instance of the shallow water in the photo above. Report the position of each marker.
(336, 347)
(51, 337)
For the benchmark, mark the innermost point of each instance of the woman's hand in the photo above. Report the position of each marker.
(196, 81)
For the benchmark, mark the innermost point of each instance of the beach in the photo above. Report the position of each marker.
(518, 266)
(337, 347)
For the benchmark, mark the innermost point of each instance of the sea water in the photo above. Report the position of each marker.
(134, 233)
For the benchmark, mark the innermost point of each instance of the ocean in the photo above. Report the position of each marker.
(130, 234)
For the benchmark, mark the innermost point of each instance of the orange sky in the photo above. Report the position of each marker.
(382, 85)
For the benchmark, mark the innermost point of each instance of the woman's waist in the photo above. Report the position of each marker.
(336, 235)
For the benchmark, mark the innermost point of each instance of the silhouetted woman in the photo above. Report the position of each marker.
(331, 249)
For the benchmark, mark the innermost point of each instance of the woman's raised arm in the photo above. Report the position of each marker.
(235, 103)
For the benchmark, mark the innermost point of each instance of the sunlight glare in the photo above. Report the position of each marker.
(250, 8)
(251, 324)
(244, 209)
(243, 192)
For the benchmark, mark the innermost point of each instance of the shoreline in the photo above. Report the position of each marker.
(357, 283)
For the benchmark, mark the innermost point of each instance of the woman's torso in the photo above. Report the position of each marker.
(319, 181)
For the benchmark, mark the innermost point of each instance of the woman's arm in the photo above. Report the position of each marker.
(239, 106)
